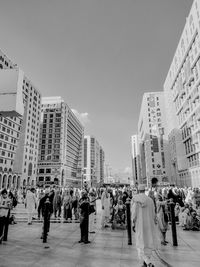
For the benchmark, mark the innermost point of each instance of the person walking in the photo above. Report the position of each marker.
(144, 222)
(30, 204)
(57, 204)
(105, 202)
(162, 218)
(67, 205)
(5, 204)
(92, 209)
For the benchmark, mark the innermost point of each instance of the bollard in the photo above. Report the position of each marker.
(46, 223)
(173, 224)
(128, 219)
(86, 228)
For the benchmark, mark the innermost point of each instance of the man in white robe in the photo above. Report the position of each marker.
(30, 204)
(105, 202)
(144, 220)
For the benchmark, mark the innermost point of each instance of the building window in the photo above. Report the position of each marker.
(48, 170)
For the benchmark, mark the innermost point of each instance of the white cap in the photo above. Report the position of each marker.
(141, 187)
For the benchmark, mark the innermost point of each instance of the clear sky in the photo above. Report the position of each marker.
(99, 55)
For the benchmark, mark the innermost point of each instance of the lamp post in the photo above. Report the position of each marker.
(82, 175)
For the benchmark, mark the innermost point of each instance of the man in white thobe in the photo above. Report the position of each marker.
(30, 204)
(144, 220)
(105, 202)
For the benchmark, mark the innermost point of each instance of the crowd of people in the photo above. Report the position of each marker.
(149, 208)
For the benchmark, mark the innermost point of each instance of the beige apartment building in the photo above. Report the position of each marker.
(20, 103)
(152, 139)
(94, 159)
(182, 95)
(61, 144)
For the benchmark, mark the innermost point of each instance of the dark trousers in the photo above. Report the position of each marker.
(57, 210)
(4, 223)
(84, 230)
(2, 227)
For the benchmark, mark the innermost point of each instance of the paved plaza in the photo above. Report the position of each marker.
(107, 248)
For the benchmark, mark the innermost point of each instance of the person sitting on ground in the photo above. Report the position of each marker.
(187, 217)
(198, 212)
(197, 197)
(120, 210)
(195, 223)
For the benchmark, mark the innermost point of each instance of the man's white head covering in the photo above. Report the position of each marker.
(141, 187)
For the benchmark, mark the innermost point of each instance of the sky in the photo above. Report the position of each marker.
(101, 56)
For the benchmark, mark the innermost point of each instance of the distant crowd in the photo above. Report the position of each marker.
(66, 202)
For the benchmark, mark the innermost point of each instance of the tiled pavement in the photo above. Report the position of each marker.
(108, 248)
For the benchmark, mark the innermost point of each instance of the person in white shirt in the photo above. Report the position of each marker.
(30, 204)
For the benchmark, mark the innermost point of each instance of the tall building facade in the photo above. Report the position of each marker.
(92, 161)
(182, 94)
(102, 165)
(20, 104)
(60, 144)
(135, 158)
(153, 144)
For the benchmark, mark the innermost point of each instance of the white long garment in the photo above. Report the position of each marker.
(30, 201)
(105, 201)
(143, 213)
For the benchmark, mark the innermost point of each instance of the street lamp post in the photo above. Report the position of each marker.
(82, 175)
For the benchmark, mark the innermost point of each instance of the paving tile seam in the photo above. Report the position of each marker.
(179, 237)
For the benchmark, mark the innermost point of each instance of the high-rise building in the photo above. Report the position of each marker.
(182, 94)
(102, 165)
(92, 159)
(153, 144)
(135, 158)
(19, 126)
(60, 144)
